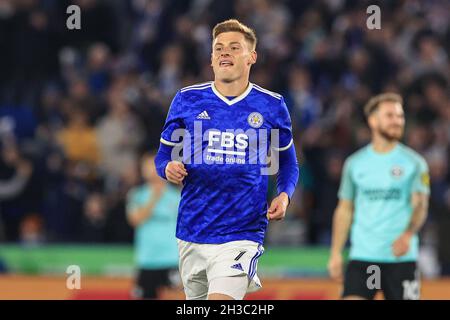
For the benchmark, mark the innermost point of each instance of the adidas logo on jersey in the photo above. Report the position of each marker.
(203, 115)
(237, 266)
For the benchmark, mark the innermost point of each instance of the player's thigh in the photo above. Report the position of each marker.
(234, 287)
(356, 281)
(192, 267)
(196, 286)
(401, 281)
(234, 259)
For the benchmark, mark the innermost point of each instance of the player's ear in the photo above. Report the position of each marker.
(253, 57)
(372, 121)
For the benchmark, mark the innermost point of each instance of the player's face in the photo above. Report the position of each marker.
(390, 120)
(232, 56)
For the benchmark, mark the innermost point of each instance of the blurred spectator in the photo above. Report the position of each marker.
(119, 134)
(118, 230)
(98, 65)
(417, 137)
(429, 55)
(93, 228)
(170, 71)
(15, 174)
(50, 113)
(79, 94)
(31, 230)
(99, 24)
(306, 107)
(61, 205)
(152, 210)
(23, 169)
(17, 122)
(78, 139)
(326, 199)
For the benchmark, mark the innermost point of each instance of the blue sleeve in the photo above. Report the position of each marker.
(163, 157)
(284, 126)
(174, 121)
(288, 173)
(169, 136)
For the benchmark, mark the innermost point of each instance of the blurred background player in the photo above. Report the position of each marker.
(152, 210)
(223, 212)
(383, 198)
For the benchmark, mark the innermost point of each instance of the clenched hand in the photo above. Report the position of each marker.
(175, 172)
(277, 209)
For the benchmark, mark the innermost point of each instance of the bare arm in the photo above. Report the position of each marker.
(142, 214)
(419, 202)
(342, 221)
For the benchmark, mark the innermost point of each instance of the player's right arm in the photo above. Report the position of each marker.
(342, 221)
(166, 167)
(175, 172)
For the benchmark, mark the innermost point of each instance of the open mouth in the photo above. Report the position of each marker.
(226, 63)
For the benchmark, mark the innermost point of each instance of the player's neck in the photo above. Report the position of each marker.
(231, 89)
(381, 145)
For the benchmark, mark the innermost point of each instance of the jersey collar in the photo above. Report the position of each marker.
(236, 99)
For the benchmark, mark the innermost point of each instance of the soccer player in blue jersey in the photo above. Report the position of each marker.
(226, 128)
(383, 203)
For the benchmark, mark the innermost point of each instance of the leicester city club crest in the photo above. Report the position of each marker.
(255, 119)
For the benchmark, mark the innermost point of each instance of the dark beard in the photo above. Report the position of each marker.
(388, 136)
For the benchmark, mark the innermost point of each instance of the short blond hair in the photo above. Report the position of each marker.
(233, 25)
(373, 104)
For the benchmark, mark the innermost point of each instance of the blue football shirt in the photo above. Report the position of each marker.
(225, 150)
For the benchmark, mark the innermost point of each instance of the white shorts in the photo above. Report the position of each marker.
(201, 264)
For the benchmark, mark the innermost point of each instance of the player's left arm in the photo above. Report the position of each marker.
(288, 171)
(419, 215)
(420, 212)
(419, 204)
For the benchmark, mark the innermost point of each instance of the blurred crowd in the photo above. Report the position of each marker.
(78, 107)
